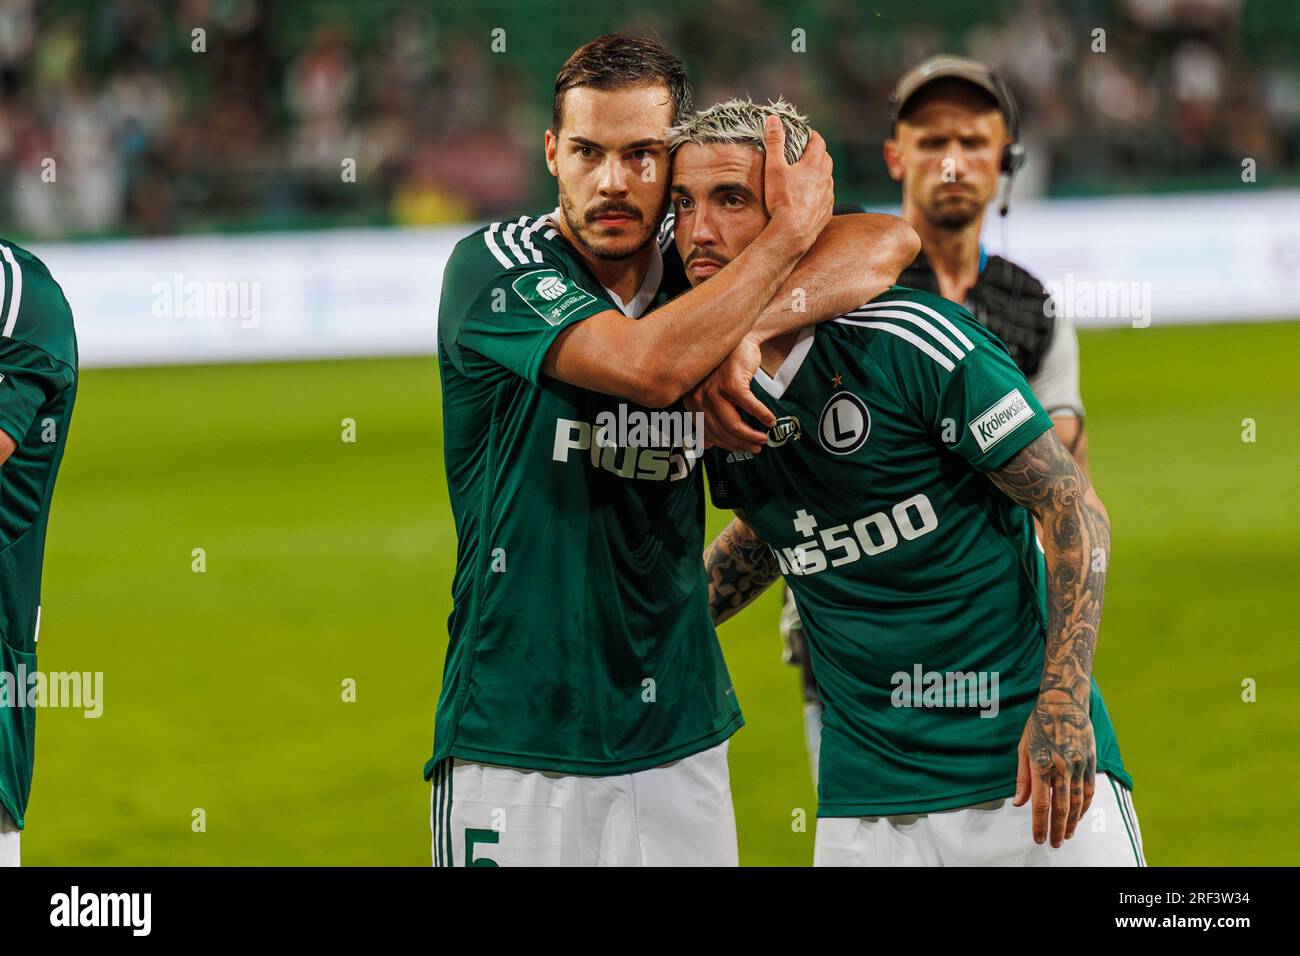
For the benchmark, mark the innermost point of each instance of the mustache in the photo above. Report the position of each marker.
(619, 208)
(704, 254)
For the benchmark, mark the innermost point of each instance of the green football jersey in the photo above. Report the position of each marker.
(921, 585)
(38, 385)
(580, 635)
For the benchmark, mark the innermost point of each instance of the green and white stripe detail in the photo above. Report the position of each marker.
(440, 812)
(928, 330)
(1129, 818)
(11, 289)
(511, 244)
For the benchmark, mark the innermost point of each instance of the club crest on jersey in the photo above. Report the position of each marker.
(550, 296)
(786, 429)
(844, 424)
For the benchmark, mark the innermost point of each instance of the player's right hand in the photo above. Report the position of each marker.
(801, 197)
(725, 393)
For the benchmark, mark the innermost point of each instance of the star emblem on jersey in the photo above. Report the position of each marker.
(844, 424)
(837, 380)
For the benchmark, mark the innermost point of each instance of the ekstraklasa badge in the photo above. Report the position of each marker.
(550, 296)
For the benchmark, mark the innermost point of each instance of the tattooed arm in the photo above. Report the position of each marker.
(1057, 755)
(740, 567)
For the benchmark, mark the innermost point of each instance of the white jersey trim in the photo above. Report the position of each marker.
(517, 237)
(667, 231)
(488, 237)
(916, 320)
(16, 295)
(925, 310)
(907, 336)
(775, 385)
(509, 235)
(526, 238)
(636, 306)
(550, 219)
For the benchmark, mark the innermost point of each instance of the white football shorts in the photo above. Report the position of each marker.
(10, 836)
(679, 814)
(986, 834)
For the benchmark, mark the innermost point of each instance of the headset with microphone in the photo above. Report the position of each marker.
(945, 67)
(1013, 153)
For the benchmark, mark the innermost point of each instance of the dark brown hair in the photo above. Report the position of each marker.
(619, 60)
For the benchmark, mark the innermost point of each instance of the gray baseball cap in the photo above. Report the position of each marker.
(948, 67)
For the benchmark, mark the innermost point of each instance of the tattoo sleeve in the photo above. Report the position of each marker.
(1045, 478)
(740, 567)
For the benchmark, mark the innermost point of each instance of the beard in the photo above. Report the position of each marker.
(953, 211)
(589, 235)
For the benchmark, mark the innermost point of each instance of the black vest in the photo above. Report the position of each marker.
(1006, 300)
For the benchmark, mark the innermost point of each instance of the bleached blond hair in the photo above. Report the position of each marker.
(741, 121)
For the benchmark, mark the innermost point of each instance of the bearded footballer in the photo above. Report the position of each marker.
(897, 493)
(585, 707)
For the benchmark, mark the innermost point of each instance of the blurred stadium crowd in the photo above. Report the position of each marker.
(149, 136)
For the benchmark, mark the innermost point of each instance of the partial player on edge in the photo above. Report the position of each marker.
(38, 387)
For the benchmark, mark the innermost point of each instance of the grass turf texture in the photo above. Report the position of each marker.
(327, 560)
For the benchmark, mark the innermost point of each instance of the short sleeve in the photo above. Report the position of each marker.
(992, 406)
(509, 315)
(1056, 384)
(29, 379)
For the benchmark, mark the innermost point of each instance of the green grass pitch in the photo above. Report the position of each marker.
(329, 560)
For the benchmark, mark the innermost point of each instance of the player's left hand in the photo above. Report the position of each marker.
(1057, 766)
(725, 393)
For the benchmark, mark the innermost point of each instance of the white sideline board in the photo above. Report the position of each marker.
(1203, 257)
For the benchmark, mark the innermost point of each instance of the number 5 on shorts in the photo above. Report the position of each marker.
(473, 836)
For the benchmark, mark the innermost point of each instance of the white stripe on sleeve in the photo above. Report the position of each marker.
(926, 310)
(16, 296)
(509, 235)
(526, 238)
(907, 336)
(916, 320)
(489, 238)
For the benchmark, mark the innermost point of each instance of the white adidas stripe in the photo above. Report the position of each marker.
(509, 235)
(488, 237)
(16, 294)
(925, 310)
(916, 320)
(667, 231)
(526, 238)
(907, 336)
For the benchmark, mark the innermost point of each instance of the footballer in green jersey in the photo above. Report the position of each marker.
(939, 105)
(584, 699)
(905, 460)
(38, 385)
